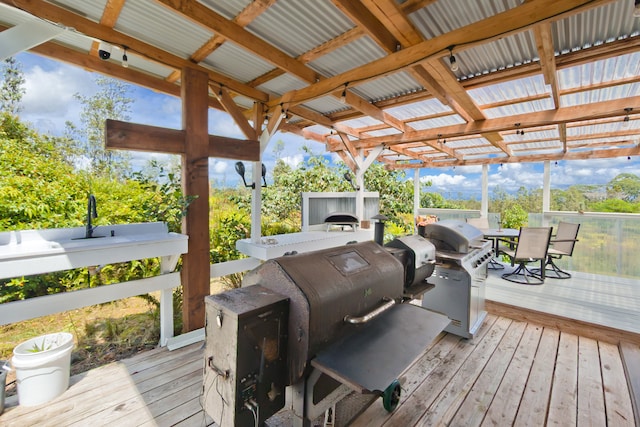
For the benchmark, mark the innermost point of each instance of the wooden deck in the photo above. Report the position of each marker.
(514, 372)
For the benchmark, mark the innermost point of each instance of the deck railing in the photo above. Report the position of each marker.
(609, 243)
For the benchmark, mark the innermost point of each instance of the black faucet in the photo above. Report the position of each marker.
(92, 212)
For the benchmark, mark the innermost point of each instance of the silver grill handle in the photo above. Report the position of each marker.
(389, 302)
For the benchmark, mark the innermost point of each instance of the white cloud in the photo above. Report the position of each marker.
(219, 167)
(293, 160)
(222, 124)
(49, 100)
(444, 180)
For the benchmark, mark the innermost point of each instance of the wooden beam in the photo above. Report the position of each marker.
(121, 135)
(535, 158)
(363, 17)
(224, 147)
(546, 51)
(50, 12)
(235, 113)
(136, 137)
(389, 13)
(195, 182)
(592, 111)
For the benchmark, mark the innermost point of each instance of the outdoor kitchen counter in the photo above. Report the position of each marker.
(28, 252)
(276, 246)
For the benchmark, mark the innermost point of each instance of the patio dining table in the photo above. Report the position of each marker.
(495, 234)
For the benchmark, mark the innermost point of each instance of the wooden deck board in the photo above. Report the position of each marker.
(539, 369)
(512, 372)
(474, 408)
(631, 362)
(590, 391)
(535, 400)
(563, 406)
(619, 408)
(610, 301)
(505, 403)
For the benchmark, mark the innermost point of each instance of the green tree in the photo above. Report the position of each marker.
(37, 185)
(625, 186)
(12, 87)
(110, 102)
(571, 199)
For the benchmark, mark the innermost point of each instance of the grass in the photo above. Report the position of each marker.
(102, 333)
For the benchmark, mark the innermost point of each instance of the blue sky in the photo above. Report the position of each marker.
(49, 102)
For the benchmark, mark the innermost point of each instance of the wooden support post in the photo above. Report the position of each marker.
(195, 182)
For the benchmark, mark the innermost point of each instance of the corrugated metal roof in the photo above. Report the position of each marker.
(361, 122)
(423, 108)
(281, 84)
(383, 132)
(227, 8)
(599, 95)
(436, 122)
(387, 87)
(298, 28)
(90, 9)
(441, 17)
(149, 20)
(595, 26)
(326, 105)
(515, 89)
(350, 56)
(497, 55)
(234, 61)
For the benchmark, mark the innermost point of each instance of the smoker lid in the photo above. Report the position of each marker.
(453, 235)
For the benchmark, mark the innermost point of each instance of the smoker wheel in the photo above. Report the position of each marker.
(391, 396)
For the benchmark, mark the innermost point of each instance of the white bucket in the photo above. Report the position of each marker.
(42, 375)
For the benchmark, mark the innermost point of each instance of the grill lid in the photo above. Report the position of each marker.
(455, 236)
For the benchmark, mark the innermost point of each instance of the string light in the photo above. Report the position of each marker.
(125, 59)
(343, 97)
(452, 60)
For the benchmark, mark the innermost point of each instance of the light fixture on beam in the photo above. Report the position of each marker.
(343, 96)
(519, 131)
(125, 59)
(627, 120)
(453, 64)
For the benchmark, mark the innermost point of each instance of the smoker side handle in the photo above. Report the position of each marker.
(389, 302)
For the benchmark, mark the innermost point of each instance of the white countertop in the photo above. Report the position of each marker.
(276, 246)
(28, 252)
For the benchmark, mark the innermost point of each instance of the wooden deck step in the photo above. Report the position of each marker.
(631, 363)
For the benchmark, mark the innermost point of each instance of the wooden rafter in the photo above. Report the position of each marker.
(387, 23)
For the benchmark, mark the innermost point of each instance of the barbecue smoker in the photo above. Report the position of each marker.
(460, 275)
(323, 325)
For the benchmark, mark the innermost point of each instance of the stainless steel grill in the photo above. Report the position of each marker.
(460, 275)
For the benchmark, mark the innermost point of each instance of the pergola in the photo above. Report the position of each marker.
(412, 84)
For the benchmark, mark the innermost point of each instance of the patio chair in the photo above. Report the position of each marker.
(561, 244)
(532, 245)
